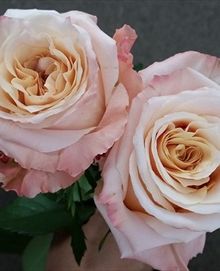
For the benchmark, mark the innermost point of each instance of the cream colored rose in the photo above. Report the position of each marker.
(180, 150)
(40, 67)
(60, 100)
(161, 190)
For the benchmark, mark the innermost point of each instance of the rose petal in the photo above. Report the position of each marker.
(28, 158)
(156, 250)
(34, 182)
(204, 64)
(38, 139)
(109, 130)
(104, 48)
(125, 38)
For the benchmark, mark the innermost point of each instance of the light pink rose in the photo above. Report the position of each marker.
(161, 190)
(60, 101)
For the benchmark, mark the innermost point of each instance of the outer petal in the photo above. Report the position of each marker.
(174, 257)
(108, 131)
(124, 147)
(28, 158)
(181, 80)
(204, 64)
(156, 250)
(104, 48)
(125, 38)
(32, 182)
(38, 139)
(25, 13)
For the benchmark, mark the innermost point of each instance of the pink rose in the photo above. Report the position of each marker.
(60, 101)
(161, 190)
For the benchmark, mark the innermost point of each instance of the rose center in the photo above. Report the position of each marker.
(40, 68)
(43, 76)
(184, 153)
(182, 149)
(188, 154)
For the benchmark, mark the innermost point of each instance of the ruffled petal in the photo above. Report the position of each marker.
(32, 182)
(125, 38)
(28, 158)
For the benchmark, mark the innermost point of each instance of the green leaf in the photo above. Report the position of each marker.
(78, 243)
(79, 202)
(84, 184)
(85, 211)
(76, 197)
(138, 67)
(93, 175)
(73, 209)
(12, 242)
(39, 215)
(35, 254)
(82, 190)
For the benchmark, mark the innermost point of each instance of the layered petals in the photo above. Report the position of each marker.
(61, 103)
(101, 139)
(161, 180)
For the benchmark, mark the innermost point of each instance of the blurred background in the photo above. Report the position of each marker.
(164, 27)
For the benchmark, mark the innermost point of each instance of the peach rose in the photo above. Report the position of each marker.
(60, 101)
(161, 190)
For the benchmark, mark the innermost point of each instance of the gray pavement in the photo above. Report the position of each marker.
(164, 27)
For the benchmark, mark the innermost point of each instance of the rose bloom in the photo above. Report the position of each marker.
(161, 190)
(60, 101)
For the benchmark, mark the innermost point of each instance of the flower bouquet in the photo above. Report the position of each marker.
(82, 127)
